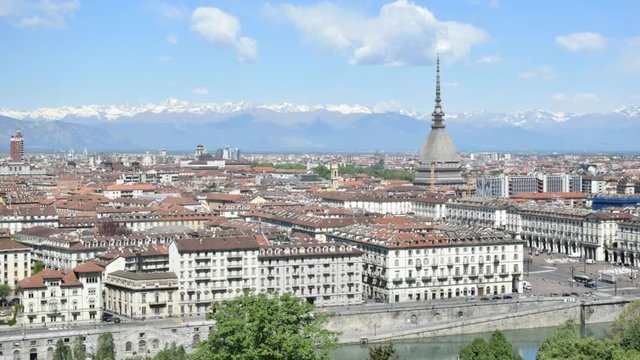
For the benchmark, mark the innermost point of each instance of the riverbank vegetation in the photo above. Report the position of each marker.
(622, 342)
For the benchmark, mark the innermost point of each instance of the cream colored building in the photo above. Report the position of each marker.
(54, 297)
(448, 263)
(138, 295)
(325, 274)
(213, 269)
(15, 262)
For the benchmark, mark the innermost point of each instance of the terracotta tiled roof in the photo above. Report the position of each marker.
(129, 187)
(37, 281)
(88, 267)
(7, 244)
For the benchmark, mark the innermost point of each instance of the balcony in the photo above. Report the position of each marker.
(426, 279)
(202, 267)
(516, 273)
(450, 265)
(397, 281)
(473, 276)
(234, 257)
(488, 276)
(410, 280)
(203, 301)
(503, 274)
(158, 303)
(234, 266)
(234, 276)
(496, 261)
(457, 277)
(443, 278)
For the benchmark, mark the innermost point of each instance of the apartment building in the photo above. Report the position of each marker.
(325, 274)
(213, 269)
(55, 248)
(62, 296)
(478, 211)
(15, 262)
(137, 295)
(127, 190)
(450, 262)
(421, 204)
(18, 217)
(626, 248)
(565, 230)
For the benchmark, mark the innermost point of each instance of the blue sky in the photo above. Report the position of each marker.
(574, 56)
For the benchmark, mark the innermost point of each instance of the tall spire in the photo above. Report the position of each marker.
(437, 115)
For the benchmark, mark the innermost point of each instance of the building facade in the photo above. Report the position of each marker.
(53, 297)
(16, 147)
(15, 262)
(450, 263)
(325, 274)
(138, 295)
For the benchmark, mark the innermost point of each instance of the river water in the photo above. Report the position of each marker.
(525, 342)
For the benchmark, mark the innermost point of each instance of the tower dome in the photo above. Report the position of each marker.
(438, 155)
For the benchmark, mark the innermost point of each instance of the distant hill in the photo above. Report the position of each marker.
(178, 125)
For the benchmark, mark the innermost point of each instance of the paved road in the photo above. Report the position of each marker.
(554, 277)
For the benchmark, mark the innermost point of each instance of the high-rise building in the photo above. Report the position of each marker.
(440, 164)
(228, 153)
(17, 147)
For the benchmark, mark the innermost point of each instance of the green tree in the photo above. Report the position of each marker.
(78, 348)
(38, 266)
(500, 348)
(106, 349)
(172, 352)
(497, 348)
(5, 290)
(322, 172)
(566, 343)
(631, 337)
(266, 326)
(383, 352)
(628, 316)
(62, 351)
(478, 349)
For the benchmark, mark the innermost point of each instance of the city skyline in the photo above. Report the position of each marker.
(73, 53)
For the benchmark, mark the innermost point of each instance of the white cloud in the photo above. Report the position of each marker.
(403, 33)
(223, 30)
(51, 14)
(201, 91)
(172, 39)
(489, 59)
(583, 41)
(172, 12)
(575, 98)
(541, 72)
(163, 58)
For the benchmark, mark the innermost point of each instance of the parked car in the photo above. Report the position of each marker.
(2, 313)
(591, 261)
(507, 297)
(485, 298)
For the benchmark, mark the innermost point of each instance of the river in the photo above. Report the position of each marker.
(525, 342)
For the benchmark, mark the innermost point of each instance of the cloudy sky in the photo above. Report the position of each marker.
(497, 55)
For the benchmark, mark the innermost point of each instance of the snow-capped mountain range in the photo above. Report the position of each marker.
(176, 106)
(179, 125)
